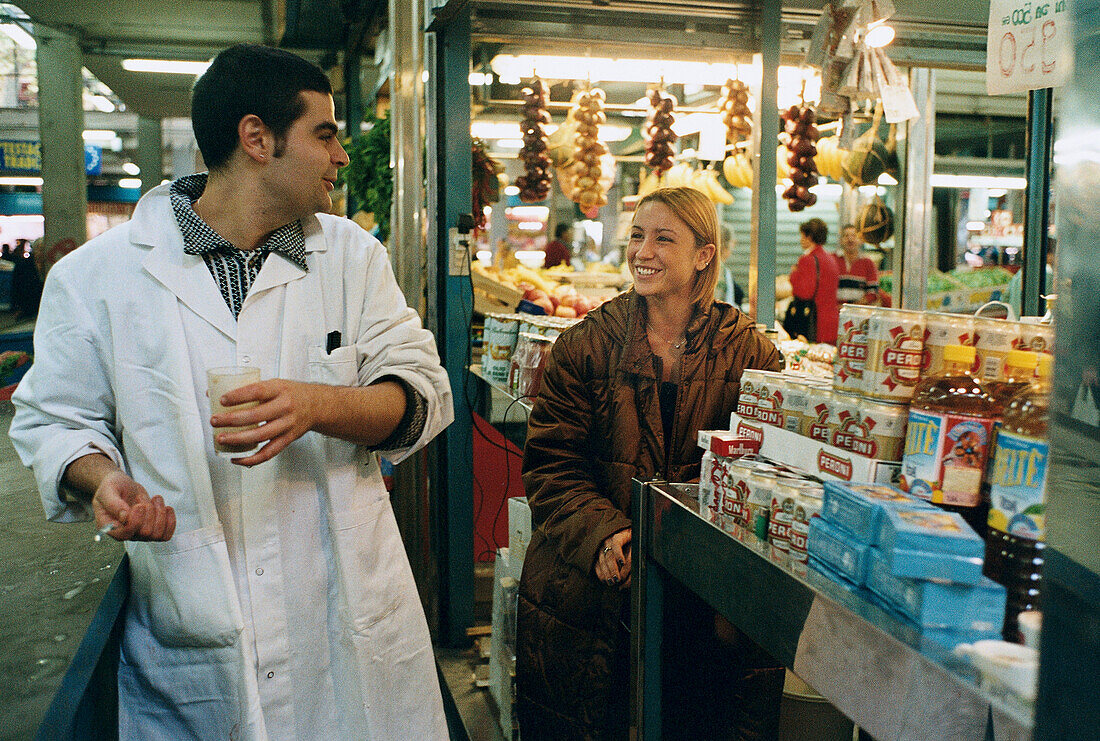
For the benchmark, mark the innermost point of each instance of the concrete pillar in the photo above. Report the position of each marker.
(150, 153)
(60, 127)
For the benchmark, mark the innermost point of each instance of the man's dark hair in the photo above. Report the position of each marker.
(815, 229)
(561, 229)
(250, 79)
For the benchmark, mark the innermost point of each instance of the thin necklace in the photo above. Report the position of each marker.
(674, 346)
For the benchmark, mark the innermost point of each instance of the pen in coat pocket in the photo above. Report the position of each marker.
(332, 342)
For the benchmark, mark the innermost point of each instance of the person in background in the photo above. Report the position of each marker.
(560, 250)
(1016, 285)
(815, 276)
(623, 396)
(728, 289)
(858, 279)
(270, 595)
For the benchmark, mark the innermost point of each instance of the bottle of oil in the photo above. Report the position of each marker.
(1019, 374)
(948, 437)
(1014, 543)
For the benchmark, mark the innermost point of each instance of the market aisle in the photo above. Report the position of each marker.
(53, 579)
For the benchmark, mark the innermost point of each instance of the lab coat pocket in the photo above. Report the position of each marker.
(186, 587)
(372, 561)
(337, 368)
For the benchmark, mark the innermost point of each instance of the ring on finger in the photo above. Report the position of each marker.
(607, 549)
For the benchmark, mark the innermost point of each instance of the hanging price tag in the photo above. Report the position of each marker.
(1028, 45)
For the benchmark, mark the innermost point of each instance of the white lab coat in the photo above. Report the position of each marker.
(284, 605)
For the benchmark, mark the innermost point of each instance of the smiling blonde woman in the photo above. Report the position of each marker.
(623, 396)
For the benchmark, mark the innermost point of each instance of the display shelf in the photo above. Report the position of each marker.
(501, 408)
(878, 670)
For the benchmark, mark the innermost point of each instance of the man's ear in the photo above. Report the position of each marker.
(255, 138)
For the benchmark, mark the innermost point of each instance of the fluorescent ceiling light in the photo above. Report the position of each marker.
(511, 190)
(20, 180)
(530, 226)
(172, 66)
(481, 78)
(486, 256)
(130, 168)
(16, 33)
(510, 143)
(978, 181)
(887, 179)
(129, 183)
(975, 226)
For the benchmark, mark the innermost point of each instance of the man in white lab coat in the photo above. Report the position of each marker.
(271, 596)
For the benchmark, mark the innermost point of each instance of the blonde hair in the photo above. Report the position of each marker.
(696, 210)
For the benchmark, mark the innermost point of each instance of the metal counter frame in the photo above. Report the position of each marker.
(878, 670)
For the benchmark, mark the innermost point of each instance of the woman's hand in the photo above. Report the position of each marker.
(613, 560)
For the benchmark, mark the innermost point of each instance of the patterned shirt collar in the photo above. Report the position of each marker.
(198, 238)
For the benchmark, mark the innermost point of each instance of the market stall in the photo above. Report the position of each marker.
(539, 79)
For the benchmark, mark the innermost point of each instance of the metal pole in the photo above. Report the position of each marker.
(454, 172)
(407, 145)
(916, 255)
(765, 131)
(1040, 106)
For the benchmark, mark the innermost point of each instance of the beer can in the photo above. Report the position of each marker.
(794, 403)
(747, 398)
(943, 330)
(995, 338)
(819, 420)
(807, 506)
(851, 347)
(1035, 336)
(872, 429)
(784, 495)
(895, 354)
(770, 392)
(758, 506)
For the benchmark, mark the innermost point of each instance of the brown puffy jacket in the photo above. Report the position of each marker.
(596, 425)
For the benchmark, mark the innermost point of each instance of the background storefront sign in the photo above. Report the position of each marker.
(1028, 45)
(20, 156)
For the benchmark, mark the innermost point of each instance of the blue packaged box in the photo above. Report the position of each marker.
(936, 604)
(858, 508)
(833, 546)
(833, 575)
(949, 637)
(930, 544)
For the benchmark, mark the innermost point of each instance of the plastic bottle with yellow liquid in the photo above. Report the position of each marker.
(948, 438)
(1014, 543)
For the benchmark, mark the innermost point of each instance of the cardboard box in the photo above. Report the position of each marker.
(837, 550)
(931, 544)
(858, 508)
(519, 534)
(814, 457)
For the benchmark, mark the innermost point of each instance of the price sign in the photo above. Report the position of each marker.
(1028, 45)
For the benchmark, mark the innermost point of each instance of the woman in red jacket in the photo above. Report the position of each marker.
(815, 275)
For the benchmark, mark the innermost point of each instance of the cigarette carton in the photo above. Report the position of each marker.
(858, 508)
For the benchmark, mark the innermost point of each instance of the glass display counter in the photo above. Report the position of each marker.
(881, 672)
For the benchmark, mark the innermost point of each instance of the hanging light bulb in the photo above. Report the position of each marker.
(878, 36)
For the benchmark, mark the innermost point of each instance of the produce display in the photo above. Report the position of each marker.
(534, 185)
(734, 105)
(658, 134)
(683, 175)
(799, 125)
(830, 158)
(486, 181)
(541, 289)
(588, 190)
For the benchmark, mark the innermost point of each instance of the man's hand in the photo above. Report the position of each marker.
(285, 411)
(613, 561)
(124, 503)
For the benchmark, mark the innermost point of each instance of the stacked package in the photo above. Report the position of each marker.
(910, 558)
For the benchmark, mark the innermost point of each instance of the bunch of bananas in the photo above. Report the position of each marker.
(683, 175)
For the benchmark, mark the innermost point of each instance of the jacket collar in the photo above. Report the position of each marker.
(637, 356)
